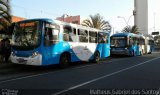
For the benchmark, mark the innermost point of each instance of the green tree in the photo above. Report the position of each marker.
(96, 21)
(5, 15)
(130, 29)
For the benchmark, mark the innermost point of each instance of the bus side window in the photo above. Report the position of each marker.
(142, 42)
(69, 34)
(83, 35)
(74, 31)
(66, 31)
(74, 35)
(51, 35)
(106, 37)
(134, 40)
(130, 41)
(92, 37)
(102, 38)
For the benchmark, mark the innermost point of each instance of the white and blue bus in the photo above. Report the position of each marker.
(127, 44)
(45, 42)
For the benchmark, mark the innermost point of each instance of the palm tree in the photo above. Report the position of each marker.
(5, 15)
(131, 29)
(97, 21)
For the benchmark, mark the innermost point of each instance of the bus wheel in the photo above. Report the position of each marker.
(150, 52)
(64, 60)
(140, 53)
(132, 53)
(96, 58)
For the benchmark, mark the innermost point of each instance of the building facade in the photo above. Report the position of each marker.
(69, 19)
(13, 19)
(16, 18)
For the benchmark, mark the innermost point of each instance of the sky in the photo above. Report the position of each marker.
(154, 15)
(109, 9)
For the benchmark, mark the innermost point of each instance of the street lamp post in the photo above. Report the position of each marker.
(123, 19)
(126, 21)
(154, 27)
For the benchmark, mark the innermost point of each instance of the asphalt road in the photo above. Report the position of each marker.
(113, 76)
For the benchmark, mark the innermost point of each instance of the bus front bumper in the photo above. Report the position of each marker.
(32, 60)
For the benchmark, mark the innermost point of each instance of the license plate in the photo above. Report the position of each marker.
(21, 60)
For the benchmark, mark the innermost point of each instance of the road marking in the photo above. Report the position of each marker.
(23, 77)
(48, 73)
(54, 72)
(105, 76)
(35, 75)
(102, 62)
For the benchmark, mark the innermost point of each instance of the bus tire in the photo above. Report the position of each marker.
(132, 53)
(140, 53)
(64, 60)
(150, 52)
(96, 58)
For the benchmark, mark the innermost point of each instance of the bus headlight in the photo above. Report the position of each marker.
(13, 54)
(35, 54)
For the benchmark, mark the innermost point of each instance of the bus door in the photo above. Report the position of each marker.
(51, 39)
(104, 42)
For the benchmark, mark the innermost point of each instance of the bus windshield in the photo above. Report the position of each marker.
(118, 42)
(26, 35)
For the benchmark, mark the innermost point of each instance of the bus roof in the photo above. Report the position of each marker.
(123, 34)
(38, 19)
(63, 23)
(129, 34)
